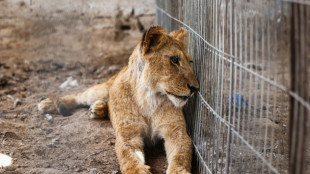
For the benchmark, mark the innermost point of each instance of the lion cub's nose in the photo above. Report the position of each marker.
(192, 88)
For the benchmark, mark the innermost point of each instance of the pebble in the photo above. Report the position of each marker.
(78, 169)
(114, 67)
(23, 117)
(258, 67)
(70, 82)
(111, 143)
(93, 171)
(10, 97)
(48, 117)
(54, 142)
(3, 142)
(16, 102)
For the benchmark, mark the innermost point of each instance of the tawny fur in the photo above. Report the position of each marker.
(144, 101)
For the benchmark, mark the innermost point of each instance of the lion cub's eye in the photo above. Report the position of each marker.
(175, 60)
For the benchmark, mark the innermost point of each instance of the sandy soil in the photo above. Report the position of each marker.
(35, 60)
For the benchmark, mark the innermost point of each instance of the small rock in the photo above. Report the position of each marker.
(100, 54)
(111, 143)
(48, 117)
(78, 169)
(54, 142)
(23, 117)
(91, 69)
(114, 68)
(219, 161)
(16, 102)
(255, 67)
(46, 165)
(115, 172)
(10, 97)
(93, 171)
(3, 142)
(70, 82)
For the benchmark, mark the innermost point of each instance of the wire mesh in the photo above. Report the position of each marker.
(246, 116)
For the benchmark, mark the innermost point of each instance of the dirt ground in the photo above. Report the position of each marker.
(36, 57)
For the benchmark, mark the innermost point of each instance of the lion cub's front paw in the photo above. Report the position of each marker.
(47, 106)
(139, 169)
(177, 170)
(99, 109)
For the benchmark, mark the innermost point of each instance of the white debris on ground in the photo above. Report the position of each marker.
(53, 143)
(10, 97)
(5, 160)
(93, 171)
(16, 102)
(48, 117)
(115, 172)
(69, 83)
(114, 68)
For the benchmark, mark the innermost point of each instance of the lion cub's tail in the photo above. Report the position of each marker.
(96, 97)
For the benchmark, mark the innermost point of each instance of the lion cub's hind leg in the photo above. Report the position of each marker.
(47, 106)
(63, 105)
(99, 109)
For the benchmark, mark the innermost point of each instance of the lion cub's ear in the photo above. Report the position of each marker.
(180, 35)
(153, 39)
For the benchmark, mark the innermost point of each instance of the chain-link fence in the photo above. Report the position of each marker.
(252, 59)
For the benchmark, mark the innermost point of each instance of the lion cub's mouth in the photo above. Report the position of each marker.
(178, 96)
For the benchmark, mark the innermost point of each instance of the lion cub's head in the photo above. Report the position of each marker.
(165, 64)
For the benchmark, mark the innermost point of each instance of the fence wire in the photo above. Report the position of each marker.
(252, 59)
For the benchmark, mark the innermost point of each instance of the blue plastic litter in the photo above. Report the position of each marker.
(238, 101)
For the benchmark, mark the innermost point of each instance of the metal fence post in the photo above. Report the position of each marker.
(299, 81)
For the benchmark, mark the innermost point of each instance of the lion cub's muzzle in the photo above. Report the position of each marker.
(192, 83)
(192, 88)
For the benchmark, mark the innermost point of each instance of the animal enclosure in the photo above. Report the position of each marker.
(252, 59)
(44, 44)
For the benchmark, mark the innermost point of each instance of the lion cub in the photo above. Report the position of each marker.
(144, 101)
